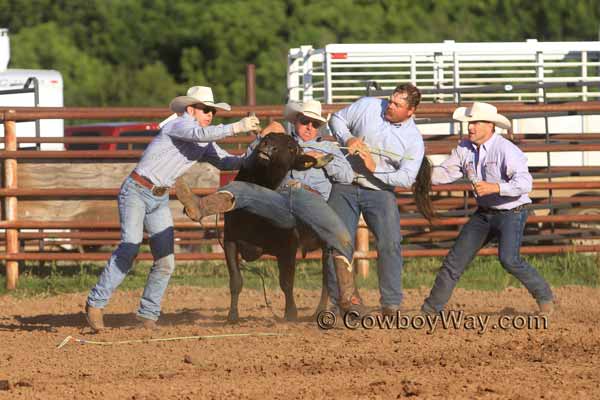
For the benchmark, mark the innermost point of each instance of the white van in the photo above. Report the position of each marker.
(30, 88)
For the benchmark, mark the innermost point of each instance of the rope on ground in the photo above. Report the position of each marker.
(171, 339)
(255, 270)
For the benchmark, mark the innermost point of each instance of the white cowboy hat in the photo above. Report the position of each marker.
(195, 95)
(310, 109)
(481, 112)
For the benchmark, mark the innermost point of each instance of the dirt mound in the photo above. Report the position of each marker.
(404, 358)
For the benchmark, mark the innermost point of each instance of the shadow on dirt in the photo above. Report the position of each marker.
(203, 318)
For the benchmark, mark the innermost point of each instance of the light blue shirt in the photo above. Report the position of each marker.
(365, 119)
(496, 161)
(319, 179)
(181, 143)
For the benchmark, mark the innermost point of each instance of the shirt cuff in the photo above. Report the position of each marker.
(228, 129)
(505, 189)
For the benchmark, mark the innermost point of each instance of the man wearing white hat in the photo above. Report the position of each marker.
(144, 198)
(501, 182)
(302, 194)
(306, 119)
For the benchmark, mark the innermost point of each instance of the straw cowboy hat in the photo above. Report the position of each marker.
(481, 112)
(196, 95)
(310, 109)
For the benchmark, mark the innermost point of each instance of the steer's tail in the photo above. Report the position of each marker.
(422, 188)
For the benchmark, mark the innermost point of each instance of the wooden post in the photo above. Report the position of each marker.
(250, 85)
(10, 203)
(362, 246)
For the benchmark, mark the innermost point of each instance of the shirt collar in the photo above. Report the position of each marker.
(302, 141)
(488, 144)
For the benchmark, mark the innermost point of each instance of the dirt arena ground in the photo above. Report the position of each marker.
(562, 361)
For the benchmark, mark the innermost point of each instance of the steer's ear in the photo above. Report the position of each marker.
(304, 162)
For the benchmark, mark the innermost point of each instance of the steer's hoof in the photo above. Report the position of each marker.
(291, 315)
(233, 318)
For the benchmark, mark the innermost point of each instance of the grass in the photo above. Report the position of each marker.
(485, 273)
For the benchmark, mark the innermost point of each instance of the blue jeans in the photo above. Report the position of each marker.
(283, 207)
(380, 210)
(139, 209)
(507, 227)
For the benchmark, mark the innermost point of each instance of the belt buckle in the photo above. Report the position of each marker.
(159, 190)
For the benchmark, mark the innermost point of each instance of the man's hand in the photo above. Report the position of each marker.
(483, 188)
(357, 146)
(247, 124)
(367, 158)
(273, 127)
(354, 145)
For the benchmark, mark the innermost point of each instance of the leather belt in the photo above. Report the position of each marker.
(306, 187)
(498, 211)
(299, 185)
(145, 182)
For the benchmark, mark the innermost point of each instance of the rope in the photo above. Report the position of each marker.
(200, 337)
(381, 152)
(245, 267)
(372, 150)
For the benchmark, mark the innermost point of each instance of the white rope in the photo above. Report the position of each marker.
(372, 150)
(200, 337)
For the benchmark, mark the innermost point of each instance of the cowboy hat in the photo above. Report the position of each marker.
(481, 112)
(196, 95)
(310, 109)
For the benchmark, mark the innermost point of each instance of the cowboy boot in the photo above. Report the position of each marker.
(188, 199)
(345, 277)
(199, 207)
(546, 308)
(146, 323)
(94, 318)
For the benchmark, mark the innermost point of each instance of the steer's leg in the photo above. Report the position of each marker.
(235, 279)
(287, 268)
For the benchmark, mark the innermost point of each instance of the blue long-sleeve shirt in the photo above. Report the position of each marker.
(181, 143)
(365, 119)
(320, 179)
(495, 161)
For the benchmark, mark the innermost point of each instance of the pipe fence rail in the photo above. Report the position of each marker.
(565, 210)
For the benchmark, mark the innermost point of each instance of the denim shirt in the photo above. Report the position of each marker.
(365, 119)
(496, 161)
(181, 143)
(320, 179)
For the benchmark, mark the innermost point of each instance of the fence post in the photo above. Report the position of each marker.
(250, 85)
(362, 246)
(10, 202)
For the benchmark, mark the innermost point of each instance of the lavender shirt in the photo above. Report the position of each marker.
(496, 161)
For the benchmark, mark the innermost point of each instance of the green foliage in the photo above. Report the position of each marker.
(144, 52)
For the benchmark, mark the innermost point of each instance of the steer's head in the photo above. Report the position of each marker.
(282, 151)
(275, 155)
